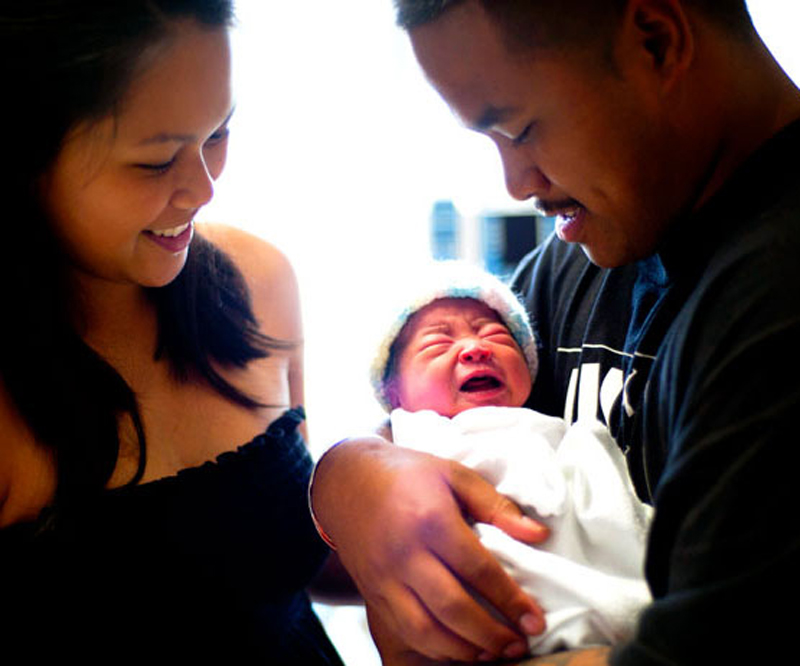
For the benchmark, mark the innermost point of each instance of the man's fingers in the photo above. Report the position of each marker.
(507, 516)
(473, 564)
(458, 612)
(407, 620)
(483, 503)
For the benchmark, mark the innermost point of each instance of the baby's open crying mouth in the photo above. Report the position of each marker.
(483, 383)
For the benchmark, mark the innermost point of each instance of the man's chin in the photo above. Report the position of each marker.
(593, 256)
(605, 258)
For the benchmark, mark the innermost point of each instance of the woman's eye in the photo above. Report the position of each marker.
(158, 168)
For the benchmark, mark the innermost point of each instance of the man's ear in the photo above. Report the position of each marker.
(659, 33)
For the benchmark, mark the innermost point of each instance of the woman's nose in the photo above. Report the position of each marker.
(474, 352)
(196, 187)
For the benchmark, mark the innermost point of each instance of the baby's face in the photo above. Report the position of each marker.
(457, 354)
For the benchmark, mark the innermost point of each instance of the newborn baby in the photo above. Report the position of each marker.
(454, 370)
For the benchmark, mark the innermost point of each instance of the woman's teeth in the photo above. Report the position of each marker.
(171, 233)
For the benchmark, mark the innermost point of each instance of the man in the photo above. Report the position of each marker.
(663, 136)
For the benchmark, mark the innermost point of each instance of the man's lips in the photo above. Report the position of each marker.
(566, 208)
(570, 218)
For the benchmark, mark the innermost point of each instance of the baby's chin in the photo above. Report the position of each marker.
(466, 400)
(475, 404)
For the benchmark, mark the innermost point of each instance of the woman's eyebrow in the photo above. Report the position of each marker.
(166, 137)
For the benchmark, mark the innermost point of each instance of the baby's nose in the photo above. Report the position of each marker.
(474, 352)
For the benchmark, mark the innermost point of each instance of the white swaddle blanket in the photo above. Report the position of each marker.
(588, 576)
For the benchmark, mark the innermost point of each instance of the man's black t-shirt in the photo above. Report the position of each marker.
(691, 359)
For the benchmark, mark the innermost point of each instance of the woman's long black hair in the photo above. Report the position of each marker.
(63, 63)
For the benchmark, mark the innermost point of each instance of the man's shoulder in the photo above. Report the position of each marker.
(755, 268)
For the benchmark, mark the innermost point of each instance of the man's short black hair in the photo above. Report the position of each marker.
(553, 22)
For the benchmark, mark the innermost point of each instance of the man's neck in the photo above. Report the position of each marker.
(750, 99)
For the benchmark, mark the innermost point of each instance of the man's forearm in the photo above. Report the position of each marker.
(325, 493)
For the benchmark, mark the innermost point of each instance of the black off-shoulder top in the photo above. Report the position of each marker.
(209, 564)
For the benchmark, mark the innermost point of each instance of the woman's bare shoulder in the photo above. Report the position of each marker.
(269, 276)
(251, 253)
(27, 470)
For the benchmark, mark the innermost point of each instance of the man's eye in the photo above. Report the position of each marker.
(523, 136)
(219, 136)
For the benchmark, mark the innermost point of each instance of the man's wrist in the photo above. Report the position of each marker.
(322, 489)
(320, 530)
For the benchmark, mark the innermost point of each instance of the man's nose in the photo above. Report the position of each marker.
(524, 178)
(474, 352)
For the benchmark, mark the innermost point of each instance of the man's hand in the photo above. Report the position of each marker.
(396, 518)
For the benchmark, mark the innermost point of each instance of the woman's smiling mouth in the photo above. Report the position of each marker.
(174, 239)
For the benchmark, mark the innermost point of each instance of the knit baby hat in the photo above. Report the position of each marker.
(451, 279)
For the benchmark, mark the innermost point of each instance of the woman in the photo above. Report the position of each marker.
(143, 508)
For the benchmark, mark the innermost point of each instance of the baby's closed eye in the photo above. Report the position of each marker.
(495, 331)
(434, 343)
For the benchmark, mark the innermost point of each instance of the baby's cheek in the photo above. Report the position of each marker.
(521, 386)
(428, 392)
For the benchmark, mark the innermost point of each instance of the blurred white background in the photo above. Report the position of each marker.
(338, 151)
